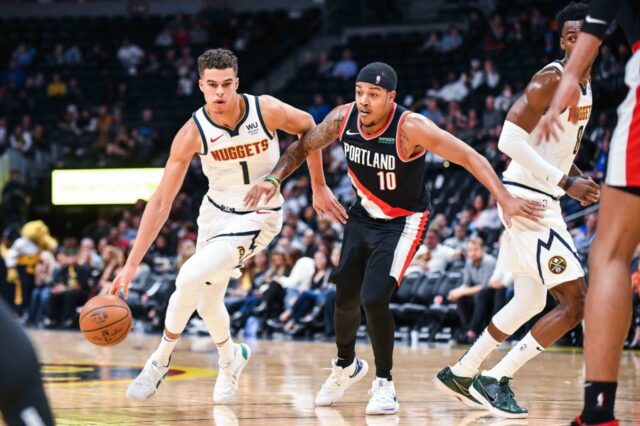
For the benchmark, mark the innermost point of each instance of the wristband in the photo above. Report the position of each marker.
(569, 183)
(274, 180)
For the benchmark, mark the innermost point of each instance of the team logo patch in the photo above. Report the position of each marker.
(78, 373)
(241, 251)
(557, 265)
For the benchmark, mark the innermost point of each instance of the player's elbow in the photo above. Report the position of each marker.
(308, 122)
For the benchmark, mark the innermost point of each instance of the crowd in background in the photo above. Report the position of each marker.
(286, 288)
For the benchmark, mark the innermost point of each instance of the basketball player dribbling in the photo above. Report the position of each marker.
(235, 137)
(608, 305)
(384, 145)
(541, 256)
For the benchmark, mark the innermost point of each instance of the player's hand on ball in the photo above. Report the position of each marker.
(528, 209)
(584, 190)
(263, 189)
(325, 203)
(122, 281)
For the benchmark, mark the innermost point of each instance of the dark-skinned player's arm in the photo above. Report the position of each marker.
(186, 143)
(419, 132)
(523, 116)
(279, 115)
(314, 140)
(600, 14)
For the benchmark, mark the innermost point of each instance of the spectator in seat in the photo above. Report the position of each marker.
(69, 291)
(130, 56)
(474, 297)
(583, 236)
(432, 256)
(319, 109)
(346, 68)
(459, 239)
(56, 87)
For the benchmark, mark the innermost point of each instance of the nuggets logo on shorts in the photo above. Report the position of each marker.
(557, 265)
(241, 251)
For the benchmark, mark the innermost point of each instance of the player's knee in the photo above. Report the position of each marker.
(573, 309)
(213, 311)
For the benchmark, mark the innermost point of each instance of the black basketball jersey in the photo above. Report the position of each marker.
(388, 184)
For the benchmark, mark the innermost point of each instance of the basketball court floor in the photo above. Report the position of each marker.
(86, 386)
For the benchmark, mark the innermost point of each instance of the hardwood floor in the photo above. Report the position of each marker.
(86, 386)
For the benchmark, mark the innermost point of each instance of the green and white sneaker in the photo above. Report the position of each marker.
(497, 397)
(228, 375)
(457, 387)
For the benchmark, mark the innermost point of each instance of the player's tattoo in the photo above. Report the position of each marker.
(404, 144)
(316, 138)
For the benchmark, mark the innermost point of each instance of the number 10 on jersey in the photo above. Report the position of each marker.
(387, 180)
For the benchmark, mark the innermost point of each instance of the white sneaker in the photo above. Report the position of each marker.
(228, 375)
(383, 397)
(145, 385)
(339, 381)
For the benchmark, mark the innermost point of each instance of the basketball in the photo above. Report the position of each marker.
(105, 320)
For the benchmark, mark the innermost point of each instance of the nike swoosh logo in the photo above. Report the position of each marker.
(350, 133)
(358, 368)
(486, 394)
(213, 140)
(591, 20)
(462, 389)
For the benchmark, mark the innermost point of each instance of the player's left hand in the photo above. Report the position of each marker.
(325, 203)
(528, 209)
(566, 96)
(255, 194)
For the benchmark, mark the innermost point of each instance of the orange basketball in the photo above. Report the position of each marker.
(105, 320)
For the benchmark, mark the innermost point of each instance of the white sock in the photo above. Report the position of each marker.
(226, 350)
(521, 353)
(164, 350)
(469, 364)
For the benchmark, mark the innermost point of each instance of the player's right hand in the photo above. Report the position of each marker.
(528, 209)
(255, 194)
(584, 190)
(122, 281)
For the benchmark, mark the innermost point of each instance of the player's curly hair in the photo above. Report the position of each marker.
(571, 12)
(219, 59)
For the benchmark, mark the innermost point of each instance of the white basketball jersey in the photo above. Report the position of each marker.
(560, 154)
(235, 159)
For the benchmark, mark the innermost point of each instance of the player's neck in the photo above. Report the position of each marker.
(374, 128)
(233, 115)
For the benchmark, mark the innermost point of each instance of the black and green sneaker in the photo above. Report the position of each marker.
(457, 387)
(497, 397)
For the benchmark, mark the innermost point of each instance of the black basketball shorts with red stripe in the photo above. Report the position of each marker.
(375, 254)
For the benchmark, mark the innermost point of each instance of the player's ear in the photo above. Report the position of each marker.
(392, 96)
(562, 43)
(237, 83)
(201, 85)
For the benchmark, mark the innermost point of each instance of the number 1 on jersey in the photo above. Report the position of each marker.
(245, 172)
(387, 181)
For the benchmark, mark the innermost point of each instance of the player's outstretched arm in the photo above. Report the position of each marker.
(418, 131)
(313, 140)
(279, 115)
(186, 143)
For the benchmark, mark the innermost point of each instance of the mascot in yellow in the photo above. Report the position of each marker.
(23, 256)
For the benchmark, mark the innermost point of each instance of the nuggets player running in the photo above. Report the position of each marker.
(608, 307)
(234, 134)
(384, 145)
(541, 256)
